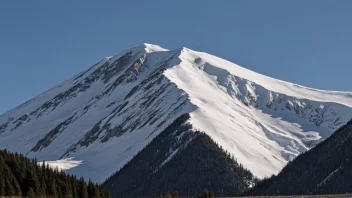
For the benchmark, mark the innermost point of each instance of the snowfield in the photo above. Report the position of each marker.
(62, 164)
(105, 115)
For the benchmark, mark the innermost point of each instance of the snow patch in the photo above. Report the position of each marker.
(63, 164)
(330, 176)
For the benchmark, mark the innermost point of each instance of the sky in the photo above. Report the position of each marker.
(43, 43)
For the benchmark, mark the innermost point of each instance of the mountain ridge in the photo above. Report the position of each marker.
(124, 101)
(148, 48)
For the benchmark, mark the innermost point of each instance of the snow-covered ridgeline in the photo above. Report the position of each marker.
(108, 113)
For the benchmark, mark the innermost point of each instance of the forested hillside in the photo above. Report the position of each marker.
(325, 169)
(190, 162)
(20, 176)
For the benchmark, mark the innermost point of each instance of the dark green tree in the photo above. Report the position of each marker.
(9, 189)
(205, 193)
(31, 193)
(167, 195)
(21, 176)
(2, 184)
(83, 191)
(175, 194)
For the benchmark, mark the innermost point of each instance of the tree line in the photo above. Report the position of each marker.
(20, 176)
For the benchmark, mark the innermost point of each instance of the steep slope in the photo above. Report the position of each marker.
(325, 169)
(99, 119)
(120, 104)
(196, 163)
(268, 123)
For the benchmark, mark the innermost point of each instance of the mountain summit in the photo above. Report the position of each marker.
(97, 121)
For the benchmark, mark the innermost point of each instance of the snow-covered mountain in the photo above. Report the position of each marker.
(97, 121)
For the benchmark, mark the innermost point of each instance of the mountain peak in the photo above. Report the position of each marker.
(124, 101)
(147, 48)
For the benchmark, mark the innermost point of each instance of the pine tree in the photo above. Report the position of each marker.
(175, 194)
(2, 184)
(211, 194)
(206, 194)
(9, 189)
(32, 180)
(67, 191)
(83, 189)
(74, 187)
(43, 186)
(31, 193)
(52, 188)
(16, 187)
(96, 191)
(90, 189)
(167, 195)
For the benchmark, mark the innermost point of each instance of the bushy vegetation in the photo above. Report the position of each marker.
(20, 176)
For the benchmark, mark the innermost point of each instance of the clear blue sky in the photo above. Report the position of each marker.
(45, 42)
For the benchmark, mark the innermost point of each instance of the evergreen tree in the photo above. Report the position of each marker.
(175, 194)
(21, 176)
(9, 190)
(205, 193)
(211, 194)
(52, 187)
(32, 180)
(83, 189)
(167, 195)
(74, 188)
(2, 184)
(16, 187)
(31, 193)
